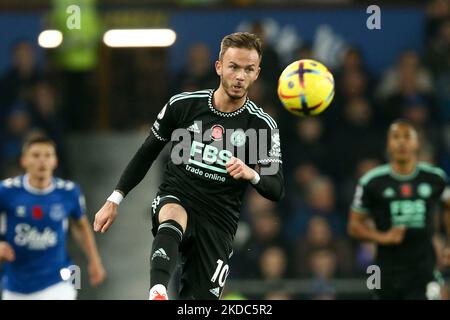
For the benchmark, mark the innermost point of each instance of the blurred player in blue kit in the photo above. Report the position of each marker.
(35, 212)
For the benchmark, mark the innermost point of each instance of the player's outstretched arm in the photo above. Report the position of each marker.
(6, 252)
(359, 229)
(135, 171)
(84, 237)
(139, 165)
(269, 186)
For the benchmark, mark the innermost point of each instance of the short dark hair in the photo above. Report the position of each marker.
(35, 138)
(244, 40)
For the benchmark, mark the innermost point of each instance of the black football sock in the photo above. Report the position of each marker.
(164, 254)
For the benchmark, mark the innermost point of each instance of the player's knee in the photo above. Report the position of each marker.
(175, 212)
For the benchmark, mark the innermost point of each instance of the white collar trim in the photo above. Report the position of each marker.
(28, 187)
(225, 114)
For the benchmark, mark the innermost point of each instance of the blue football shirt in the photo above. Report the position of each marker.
(35, 224)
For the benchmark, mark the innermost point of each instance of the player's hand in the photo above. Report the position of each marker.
(393, 236)
(6, 252)
(239, 170)
(105, 217)
(97, 273)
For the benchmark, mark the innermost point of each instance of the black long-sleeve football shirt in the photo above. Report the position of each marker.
(203, 140)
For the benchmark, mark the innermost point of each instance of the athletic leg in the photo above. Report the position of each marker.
(170, 222)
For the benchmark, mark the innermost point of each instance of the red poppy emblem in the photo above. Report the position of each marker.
(406, 190)
(37, 213)
(217, 132)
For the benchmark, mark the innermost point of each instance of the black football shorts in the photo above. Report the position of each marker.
(205, 252)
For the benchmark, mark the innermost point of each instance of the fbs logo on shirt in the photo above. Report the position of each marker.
(210, 156)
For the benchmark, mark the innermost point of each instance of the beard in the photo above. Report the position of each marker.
(228, 90)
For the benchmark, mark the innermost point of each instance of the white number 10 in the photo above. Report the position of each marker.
(221, 272)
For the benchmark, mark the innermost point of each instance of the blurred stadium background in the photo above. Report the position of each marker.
(98, 103)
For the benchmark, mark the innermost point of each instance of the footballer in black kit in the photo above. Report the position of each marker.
(402, 198)
(203, 179)
(215, 153)
(212, 197)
